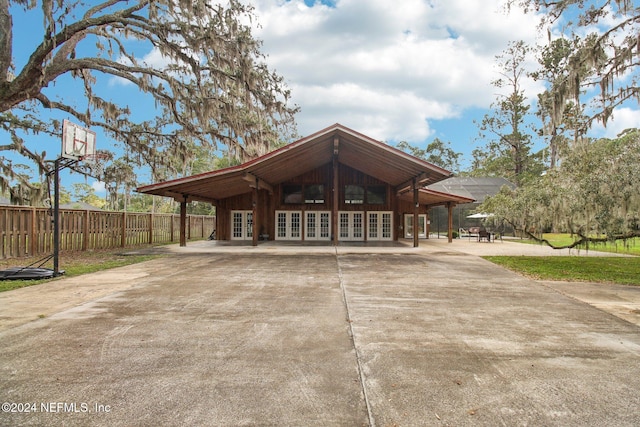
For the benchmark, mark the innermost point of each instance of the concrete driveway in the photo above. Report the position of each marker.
(314, 335)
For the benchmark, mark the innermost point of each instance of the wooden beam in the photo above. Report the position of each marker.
(183, 222)
(336, 146)
(450, 206)
(254, 204)
(412, 184)
(257, 183)
(334, 209)
(179, 197)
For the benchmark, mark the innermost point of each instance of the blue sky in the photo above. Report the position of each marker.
(409, 70)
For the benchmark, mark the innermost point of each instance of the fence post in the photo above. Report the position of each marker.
(151, 228)
(123, 237)
(32, 233)
(85, 231)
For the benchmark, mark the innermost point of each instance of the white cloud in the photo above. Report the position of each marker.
(388, 68)
(98, 186)
(623, 118)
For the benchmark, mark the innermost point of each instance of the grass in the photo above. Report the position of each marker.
(74, 264)
(631, 247)
(620, 270)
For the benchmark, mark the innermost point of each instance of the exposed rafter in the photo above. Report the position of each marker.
(412, 184)
(257, 183)
(180, 197)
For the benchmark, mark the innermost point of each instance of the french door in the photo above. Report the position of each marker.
(351, 226)
(317, 225)
(241, 225)
(422, 226)
(380, 226)
(288, 225)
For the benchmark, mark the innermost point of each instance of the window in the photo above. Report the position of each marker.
(297, 194)
(353, 194)
(314, 193)
(371, 194)
(376, 194)
(292, 194)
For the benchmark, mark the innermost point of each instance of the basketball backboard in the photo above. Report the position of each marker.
(77, 142)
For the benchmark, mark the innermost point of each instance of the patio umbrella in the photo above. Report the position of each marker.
(479, 215)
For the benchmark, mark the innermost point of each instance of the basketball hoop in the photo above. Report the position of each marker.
(77, 141)
(95, 163)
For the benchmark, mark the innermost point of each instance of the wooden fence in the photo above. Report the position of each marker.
(27, 231)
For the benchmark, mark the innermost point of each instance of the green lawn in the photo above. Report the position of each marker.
(74, 265)
(621, 270)
(631, 247)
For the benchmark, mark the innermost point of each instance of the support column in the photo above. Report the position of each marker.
(416, 213)
(254, 205)
(336, 200)
(450, 208)
(183, 222)
(56, 218)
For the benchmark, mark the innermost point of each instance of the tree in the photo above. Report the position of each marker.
(594, 194)
(552, 59)
(120, 175)
(437, 152)
(606, 59)
(506, 126)
(215, 88)
(85, 193)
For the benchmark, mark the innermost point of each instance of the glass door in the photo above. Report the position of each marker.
(288, 225)
(241, 225)
(408, 226)
(317, 225)
(351, 226)
(380, 226)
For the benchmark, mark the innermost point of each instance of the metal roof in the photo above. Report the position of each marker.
(431, 198)
(476, 188)
(353, 149)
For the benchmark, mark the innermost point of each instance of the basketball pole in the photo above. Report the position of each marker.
(56, 218)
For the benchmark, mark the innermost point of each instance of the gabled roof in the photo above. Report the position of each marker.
(353, 149)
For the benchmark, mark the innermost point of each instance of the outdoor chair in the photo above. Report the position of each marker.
(484, 234)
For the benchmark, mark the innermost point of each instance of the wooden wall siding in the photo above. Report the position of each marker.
(319, 175)
(27, 231)
(223, 223)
